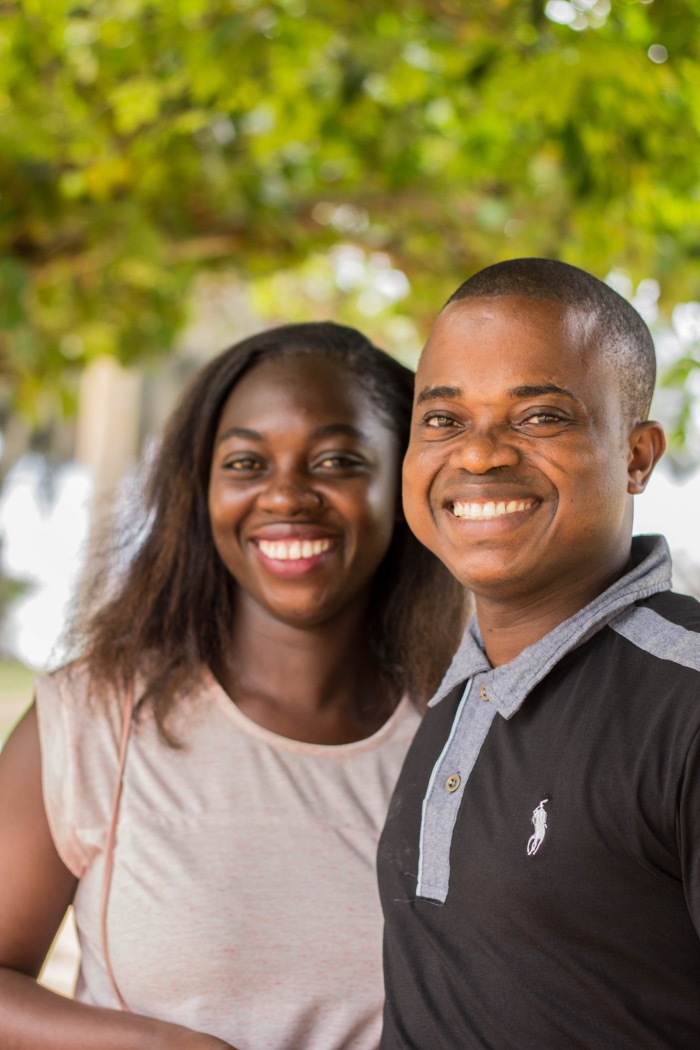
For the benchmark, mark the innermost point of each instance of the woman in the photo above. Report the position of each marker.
(218, 845)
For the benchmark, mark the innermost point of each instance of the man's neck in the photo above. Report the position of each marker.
(510, 625)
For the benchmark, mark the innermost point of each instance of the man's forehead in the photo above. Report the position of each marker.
(529, 351)
(556, 327)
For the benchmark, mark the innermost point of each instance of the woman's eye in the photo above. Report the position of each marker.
(338, 461)
(243, 464)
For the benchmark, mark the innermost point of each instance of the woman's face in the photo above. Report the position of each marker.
(303, 489)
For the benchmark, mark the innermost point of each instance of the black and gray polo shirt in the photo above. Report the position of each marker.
(540, 864)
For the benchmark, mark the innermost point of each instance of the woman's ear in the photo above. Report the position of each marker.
(647, 443)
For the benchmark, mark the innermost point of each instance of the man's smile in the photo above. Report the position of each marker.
(480, 510)
(517, 474)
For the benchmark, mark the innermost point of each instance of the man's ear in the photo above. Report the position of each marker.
(647, 443)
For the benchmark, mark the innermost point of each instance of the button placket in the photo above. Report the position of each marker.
(447, 785)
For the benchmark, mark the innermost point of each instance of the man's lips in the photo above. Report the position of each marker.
(487, 509)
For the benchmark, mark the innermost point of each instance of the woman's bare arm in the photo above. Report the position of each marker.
(35, 891)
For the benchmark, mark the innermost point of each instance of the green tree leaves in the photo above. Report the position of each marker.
(144, 141)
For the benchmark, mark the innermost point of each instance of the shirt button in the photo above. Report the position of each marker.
(453, 782)
(482, 692)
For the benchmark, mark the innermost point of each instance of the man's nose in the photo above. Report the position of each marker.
(481, 449)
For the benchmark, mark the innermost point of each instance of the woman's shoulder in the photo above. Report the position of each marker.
(72, 680)
(77, 733)
(73, 691)
(74, 705)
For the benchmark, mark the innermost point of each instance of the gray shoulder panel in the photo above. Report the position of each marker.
(659, 637)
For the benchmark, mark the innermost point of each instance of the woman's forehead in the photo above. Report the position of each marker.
(314, 389)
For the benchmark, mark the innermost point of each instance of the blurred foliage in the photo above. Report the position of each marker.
(16, 683)
(143, 142)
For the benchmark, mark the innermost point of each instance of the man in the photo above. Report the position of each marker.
(540, 865)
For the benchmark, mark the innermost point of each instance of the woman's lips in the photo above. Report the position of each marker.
(293, 549)
(295, 555)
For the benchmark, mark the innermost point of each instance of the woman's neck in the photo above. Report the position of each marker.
(315, 683)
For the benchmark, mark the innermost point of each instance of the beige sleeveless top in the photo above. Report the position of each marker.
(243, 901)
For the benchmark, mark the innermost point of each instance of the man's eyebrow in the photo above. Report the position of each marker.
(438, 393)
(541, 390)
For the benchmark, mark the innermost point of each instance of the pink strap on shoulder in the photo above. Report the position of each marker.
(127, 713)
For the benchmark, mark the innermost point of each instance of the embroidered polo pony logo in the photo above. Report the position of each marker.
(539, 820)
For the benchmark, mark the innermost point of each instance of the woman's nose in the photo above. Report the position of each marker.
(285, 494)
(481, 450)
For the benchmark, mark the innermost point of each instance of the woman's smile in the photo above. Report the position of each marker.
(296, 554)
(292, 550)
(303, 489)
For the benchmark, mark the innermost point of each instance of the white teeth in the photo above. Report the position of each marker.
(293, 550)
(480, 511)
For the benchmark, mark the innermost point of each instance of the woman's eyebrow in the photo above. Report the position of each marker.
(328, 430)
(241, 432)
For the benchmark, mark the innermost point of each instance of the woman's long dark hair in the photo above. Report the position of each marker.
(172, 609)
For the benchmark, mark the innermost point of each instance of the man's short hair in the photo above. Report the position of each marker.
(623, 337)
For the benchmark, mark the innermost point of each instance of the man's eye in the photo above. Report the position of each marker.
(544, 418)
(438, 422)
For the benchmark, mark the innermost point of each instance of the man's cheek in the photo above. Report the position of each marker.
(417, 514)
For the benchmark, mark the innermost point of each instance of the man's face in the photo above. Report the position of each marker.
(520, 461)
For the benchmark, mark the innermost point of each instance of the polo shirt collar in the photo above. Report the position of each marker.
(508, 685)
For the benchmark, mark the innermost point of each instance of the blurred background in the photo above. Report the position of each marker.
(175, 174)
